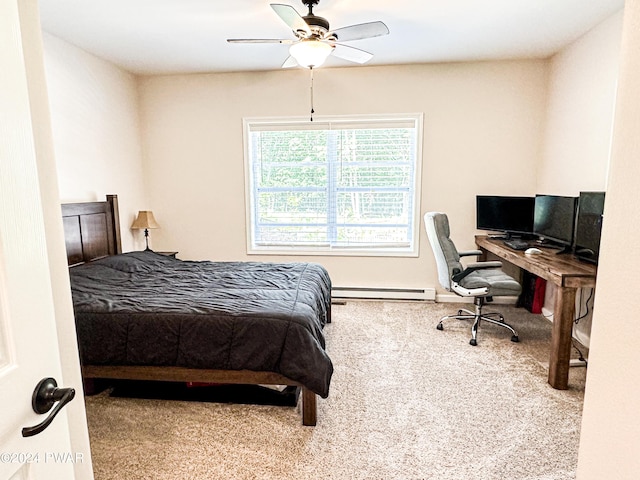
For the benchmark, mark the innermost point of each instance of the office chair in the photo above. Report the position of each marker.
(482, 280)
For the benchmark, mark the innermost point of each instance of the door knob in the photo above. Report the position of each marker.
(44, 397)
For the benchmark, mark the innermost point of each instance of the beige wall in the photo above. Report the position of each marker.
(482, 134)
(96, 132)
(610, 434)
(579, 122)
(580, 110)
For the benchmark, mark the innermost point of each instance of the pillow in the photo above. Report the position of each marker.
(130, 262)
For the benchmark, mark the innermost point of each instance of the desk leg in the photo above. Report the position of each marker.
(563, 313)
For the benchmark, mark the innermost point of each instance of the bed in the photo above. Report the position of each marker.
(148, 316)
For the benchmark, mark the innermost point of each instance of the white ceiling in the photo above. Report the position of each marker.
(179, 36)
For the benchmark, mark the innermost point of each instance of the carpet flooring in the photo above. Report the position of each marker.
(407, 402)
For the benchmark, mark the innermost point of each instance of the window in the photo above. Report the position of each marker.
(339, 186)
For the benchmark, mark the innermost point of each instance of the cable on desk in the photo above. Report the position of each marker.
(580, 355)
(580, 317)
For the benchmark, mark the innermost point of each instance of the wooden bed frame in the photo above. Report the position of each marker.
(92, 231)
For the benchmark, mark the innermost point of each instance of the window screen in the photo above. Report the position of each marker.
(343, 185)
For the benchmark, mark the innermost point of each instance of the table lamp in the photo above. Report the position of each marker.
(145, 220)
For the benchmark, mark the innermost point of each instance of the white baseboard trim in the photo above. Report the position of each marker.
(377, 293)
(574, 362)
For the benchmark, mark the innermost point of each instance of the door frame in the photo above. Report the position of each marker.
(33, 52)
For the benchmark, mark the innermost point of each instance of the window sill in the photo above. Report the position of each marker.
(334, 252)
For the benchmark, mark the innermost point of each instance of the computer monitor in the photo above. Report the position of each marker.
(554, 219)
(510, 215)
(589, 225)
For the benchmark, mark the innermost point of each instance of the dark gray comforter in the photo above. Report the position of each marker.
(143, 308)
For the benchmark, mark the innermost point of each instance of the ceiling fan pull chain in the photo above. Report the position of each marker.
(312, 111)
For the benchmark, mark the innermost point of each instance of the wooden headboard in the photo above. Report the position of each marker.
(91, 230)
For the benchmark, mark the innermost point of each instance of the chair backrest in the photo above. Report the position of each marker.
(444, 250)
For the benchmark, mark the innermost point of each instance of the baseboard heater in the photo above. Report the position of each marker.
(384, 293)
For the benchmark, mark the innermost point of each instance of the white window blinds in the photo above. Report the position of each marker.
(347, 184)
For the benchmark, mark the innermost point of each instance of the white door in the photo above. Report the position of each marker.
(28, 339)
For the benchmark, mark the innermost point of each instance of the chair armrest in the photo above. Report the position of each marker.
(483, 265)
(468, 253)
(475, 266)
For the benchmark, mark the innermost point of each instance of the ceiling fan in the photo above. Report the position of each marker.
(314, 41)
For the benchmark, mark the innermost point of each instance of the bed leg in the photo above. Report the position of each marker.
(309, 408)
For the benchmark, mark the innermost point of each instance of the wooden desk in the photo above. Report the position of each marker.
(568, 274)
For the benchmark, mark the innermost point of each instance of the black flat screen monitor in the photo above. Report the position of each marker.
(554, 218)
(511, 215)
(589, 225)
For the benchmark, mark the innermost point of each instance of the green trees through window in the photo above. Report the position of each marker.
(333, 185)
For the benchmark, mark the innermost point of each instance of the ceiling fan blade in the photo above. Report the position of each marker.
(259, 40)
(362, 30)
(352, 54)
(290, 62)
(291, 17)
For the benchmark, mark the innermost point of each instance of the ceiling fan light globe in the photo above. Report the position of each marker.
(310, 53)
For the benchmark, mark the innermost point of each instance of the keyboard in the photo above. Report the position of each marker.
(516, 244)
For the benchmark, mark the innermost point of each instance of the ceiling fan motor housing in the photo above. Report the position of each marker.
(318, 25)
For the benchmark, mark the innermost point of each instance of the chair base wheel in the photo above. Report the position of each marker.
(473, 342)
(515, 339)
(439, 326)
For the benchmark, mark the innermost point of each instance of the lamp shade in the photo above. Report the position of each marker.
(145, 220)
(310, 53)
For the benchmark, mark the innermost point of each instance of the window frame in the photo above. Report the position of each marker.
(303, 122)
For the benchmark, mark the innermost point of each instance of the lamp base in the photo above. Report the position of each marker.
(146, 240)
